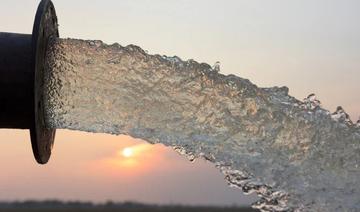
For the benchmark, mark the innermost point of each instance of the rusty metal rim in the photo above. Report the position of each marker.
(45, 27)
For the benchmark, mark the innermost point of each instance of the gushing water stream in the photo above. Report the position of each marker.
(294, 154)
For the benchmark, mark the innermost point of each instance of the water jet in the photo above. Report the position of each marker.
(294, 154)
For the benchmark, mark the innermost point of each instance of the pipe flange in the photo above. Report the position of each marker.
(45, 27)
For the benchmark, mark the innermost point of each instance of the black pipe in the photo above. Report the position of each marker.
(22, 59)
(16, 81)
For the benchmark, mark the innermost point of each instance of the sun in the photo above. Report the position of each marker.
(127, 152)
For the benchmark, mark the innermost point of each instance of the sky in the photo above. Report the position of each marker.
(311, 46)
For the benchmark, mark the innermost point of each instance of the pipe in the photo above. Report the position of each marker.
(22, 59)
(16, 79)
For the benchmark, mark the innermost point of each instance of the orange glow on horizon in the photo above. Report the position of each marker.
(132, 160)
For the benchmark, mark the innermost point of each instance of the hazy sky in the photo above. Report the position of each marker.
(307, 45)
(92, 167)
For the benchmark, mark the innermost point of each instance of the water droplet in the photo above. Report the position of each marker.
(216, 67)
(311, 97)
(190, 61)
(311, 102)
(341, 116)
(116, 45)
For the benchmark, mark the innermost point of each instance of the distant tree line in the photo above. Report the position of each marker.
(122, 206)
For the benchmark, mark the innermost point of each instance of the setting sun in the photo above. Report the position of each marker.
(127, 152)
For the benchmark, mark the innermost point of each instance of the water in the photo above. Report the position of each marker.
(341, 116)
(294, 154)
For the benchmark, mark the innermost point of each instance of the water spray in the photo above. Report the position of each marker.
(21, 80)
(295, 155)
